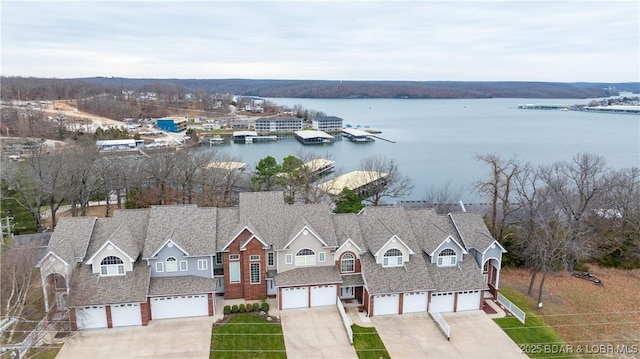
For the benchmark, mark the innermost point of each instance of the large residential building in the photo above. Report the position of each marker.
(327, 123)
(278, 124)
(176, 261)
(172, 124)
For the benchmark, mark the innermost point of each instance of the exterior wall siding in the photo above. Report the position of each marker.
(448, 245)
(105, 252)
(301, 242)
(391, 245)
(192, 264)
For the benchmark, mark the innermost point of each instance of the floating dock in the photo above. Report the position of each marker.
(313, 137)
(320, 166)
(357, 136)
(252, 137)
(357, 181)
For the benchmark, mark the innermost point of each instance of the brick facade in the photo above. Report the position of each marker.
(107, 308)
(145, 312)
(244, 289)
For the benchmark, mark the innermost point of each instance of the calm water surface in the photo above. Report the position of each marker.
(436, 140)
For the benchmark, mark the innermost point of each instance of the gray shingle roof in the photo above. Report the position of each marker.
(379, 224)
(473, 230)
(464, 276)
(117, 232)
(71, 237)
(352, 280)
(431, 229)
(90, 289)
(187, 284)
(191, 228)
(414, 275)
(346, 227)
(308, 276)
(228, 226)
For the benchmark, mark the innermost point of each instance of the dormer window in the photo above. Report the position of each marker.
(305, 257)
(172, 264)
(392, 258)
(111, 265)
(447, 257)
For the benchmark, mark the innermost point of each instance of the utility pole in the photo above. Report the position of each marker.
(6, 226)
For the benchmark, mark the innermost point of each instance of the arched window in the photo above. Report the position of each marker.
(447, 257)
(305, 257)
(172, 264)
(392, 258)
(347, 263)
(111, 265)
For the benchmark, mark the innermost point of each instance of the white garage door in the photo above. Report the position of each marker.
(295, 297)
(414, 302)
(468, 300)
(385, 304)
(442, 302)
(323, 295)
(123, 315)
(179, 306)
(92, 317)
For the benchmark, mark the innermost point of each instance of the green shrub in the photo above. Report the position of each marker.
(264, 307)
(249, 308)
(234, 308)
(227, 309)
(242, 308)
(256, 307)
(580, 266)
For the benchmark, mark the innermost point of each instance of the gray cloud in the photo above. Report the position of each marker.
(385, 40)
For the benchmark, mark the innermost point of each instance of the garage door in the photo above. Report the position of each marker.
(385, 304)
(468, 300)
(295, 297)
(442, 302)
(92, 317)
(414, 302)
(123, 315)
(323, 295)
(179, 306)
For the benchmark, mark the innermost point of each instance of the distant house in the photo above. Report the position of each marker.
(327, 123)
(177, 261)
(278, 124)
(172, 124)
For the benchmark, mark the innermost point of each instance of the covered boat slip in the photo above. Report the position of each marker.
(358, 181)
(312, 137)
(357, 136)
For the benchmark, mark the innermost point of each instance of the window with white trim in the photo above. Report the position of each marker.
(321, 256)
(288, 258)
(234, 257)
(305, 257)
(255, 273)
(159, 266)
(171, 265)
(234, 272)
(202, 264)
(485, 267)
(270, 259)
(254, 257)
(184, 266)
(219, 258)
(392, 258)
(111, 265)
(447, 257)
(347, 263)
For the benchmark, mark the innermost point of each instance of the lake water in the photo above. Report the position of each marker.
(436, 140)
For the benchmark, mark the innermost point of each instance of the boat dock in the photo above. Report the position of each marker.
(313, 137)
(357, 136)
(358, 181)
(542, 106)
(252, 137)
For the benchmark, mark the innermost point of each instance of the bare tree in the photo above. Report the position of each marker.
(576, 188)
(188, 166)
(498, 187)
(444, 200)
(385, 178)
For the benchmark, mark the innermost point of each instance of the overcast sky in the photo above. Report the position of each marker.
(326, 40)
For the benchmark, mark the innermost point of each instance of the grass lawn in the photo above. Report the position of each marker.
(43, 353)
(368, 344)
(535, 338)
(247, 336)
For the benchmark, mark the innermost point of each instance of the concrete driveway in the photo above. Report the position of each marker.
(473, 335)
(166, 338)
(315, 333)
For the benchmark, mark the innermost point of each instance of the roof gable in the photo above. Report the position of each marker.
(108, 243)
(51, 254)
(449, 239)
(391, 240)
(306, 229)
(346, 243)
(169, 243)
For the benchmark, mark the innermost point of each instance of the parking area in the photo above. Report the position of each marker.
(315, 333)
(473, 335)
(168, 338)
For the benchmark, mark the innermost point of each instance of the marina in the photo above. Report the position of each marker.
(252, 137)
(313, 137)
(357, 181)
(357, 136)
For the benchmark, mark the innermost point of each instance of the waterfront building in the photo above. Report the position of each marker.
(327, 123)
(312, 137)
(172, 124)
(278, 124)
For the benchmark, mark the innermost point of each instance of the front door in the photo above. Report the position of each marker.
(347, 293)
